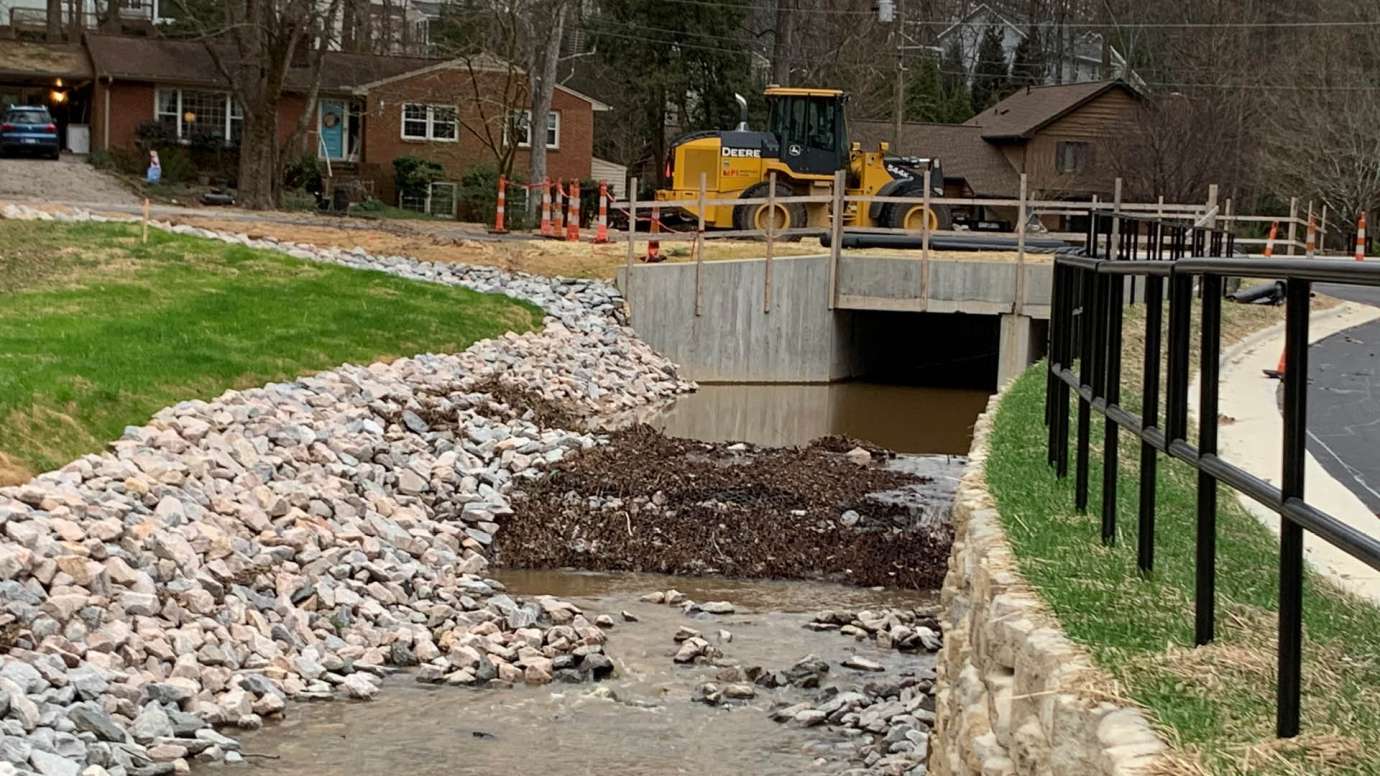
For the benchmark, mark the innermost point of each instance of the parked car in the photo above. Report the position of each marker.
(29, 129)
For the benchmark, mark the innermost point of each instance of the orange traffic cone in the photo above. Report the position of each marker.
(1278, 372)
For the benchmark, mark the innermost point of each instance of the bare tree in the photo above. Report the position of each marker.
(255, 44)
(545, 30)
(54, 20)
(1319, 137)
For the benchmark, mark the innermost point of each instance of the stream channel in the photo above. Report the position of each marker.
(644, 721)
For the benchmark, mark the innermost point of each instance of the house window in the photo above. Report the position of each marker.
(523, 121)
(1071, 156)
(429, 122)
(187, 113)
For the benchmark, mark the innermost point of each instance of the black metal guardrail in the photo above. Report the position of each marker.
(1089, 296)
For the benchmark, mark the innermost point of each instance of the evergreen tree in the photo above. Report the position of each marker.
(957, 105)
(925, 93)
(1028, 61)
(991, 76)
(953, 68)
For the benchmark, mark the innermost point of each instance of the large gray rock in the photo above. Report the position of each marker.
(89, 718)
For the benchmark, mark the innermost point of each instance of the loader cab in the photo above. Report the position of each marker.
(809, 125)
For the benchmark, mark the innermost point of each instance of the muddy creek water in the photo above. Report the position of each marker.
(906, 419)
(642, 721)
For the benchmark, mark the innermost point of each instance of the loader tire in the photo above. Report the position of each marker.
(899, 215)
(789, 215)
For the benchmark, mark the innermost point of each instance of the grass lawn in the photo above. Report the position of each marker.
(1216, 704)
(99, 331)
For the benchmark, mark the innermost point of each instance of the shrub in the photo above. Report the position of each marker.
(152, 135)
(414, 176)
(478, 198)
(303, 173)
(178, 166)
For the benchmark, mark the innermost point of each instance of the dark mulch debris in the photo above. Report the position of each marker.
(544, 412)
(649, 502)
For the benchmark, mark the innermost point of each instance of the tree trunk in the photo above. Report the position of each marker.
(782, 41)
(258, 161)
(541, 78)
(54, 21)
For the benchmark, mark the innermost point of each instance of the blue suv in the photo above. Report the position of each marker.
(29, 130)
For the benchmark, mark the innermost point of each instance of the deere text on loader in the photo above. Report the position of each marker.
(805, 143)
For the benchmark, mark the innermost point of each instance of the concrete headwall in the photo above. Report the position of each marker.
(734, 339)
(1013, 694)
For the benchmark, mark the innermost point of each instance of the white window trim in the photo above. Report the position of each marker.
(230, 112)
(430, 123)
(554, 123)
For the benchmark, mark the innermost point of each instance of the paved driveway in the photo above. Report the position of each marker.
(65, 180)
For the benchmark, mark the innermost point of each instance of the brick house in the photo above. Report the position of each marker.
(370, 109)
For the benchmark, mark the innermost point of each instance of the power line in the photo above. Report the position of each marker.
(1302, 24)
(1253, 86)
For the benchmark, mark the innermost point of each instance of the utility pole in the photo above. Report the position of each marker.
(884, 9)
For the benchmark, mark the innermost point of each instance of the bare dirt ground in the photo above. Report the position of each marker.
(71, 182)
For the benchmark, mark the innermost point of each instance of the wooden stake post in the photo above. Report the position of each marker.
(836, 243)
(632, 242)
(925, 245)
(146, 219)
(1018, 305)
(1293, 222)
(771, 241)
(699, 249)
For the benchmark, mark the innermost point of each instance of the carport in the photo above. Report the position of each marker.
(57, 75)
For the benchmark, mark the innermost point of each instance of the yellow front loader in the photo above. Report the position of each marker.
(805, 143)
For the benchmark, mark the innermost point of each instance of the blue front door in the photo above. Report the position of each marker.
(333, 123)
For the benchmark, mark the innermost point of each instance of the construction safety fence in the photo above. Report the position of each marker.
(587, 204)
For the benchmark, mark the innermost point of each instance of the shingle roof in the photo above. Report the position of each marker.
(163, 60)
(43, 60)
(960, 148)
(1023, 113)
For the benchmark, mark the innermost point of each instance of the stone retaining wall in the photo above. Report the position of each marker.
(1013, 694)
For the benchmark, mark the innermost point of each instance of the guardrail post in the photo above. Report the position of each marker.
(1089, 364)
(1150, 411)
(1205, 565)
(1291, 488)
(1176, 392)
(699, 250)
(1111, 388)
(771, 242)
(1065, 345)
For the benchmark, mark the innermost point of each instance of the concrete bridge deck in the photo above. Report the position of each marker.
(721, 324)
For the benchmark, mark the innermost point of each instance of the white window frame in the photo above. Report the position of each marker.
(553, 126)
(430, 135)
(233, 112)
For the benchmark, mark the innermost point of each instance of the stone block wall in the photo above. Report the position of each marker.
(1014, 695)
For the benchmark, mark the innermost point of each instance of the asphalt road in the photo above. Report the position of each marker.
(1344, 400)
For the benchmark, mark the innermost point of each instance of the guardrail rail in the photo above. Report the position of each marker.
(1085, 363)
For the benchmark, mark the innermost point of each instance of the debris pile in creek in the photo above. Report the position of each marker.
(648, 502)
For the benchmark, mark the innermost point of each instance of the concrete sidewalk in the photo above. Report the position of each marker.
(1253, 440)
